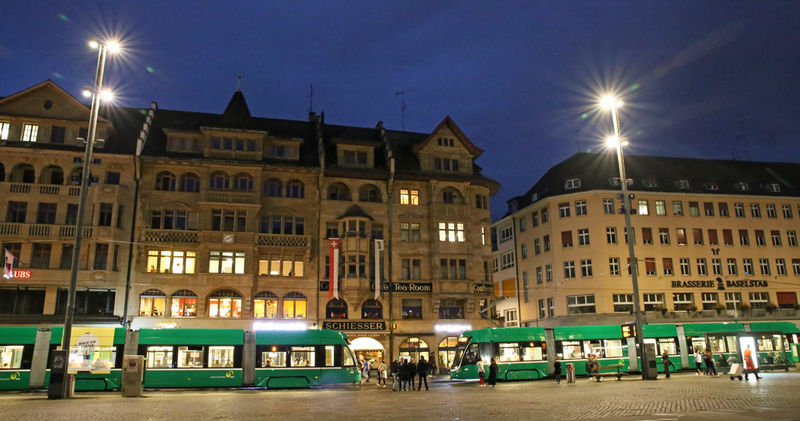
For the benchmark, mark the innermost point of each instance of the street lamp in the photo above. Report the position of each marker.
(617, 142)
(58, 378)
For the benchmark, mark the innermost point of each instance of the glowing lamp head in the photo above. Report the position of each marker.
(86, 93)
(609, 102)
(94, 44)
(113, 47)
(613, 141)
(106, 95)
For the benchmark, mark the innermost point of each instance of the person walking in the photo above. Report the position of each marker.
(666, 362)
(557, 370)
(382, 374)
(698, 361)
(749, 366)
(710, 368)
(493, 369)
(412, 372)
(365, 371)
(395, 368)
(481, 373)
(422, 373)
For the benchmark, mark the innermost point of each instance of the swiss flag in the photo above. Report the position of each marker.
(333, 274)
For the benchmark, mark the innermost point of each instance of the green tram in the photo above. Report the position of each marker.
(528, 353)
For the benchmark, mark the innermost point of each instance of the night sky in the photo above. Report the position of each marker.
(716, 79)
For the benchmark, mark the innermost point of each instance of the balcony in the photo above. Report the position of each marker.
(283, 241)
(170, 236)
(50, 189)
(233, 197)
(41, 231)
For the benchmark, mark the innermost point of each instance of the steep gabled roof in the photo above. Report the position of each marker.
(450, 124)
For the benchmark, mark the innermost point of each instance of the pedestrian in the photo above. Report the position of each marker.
(481, 373)
(365, 371)
(493, 368)
(698, 361)
(557, 370)
(422, 373)
(749, 366)
(412, 372)
(432, 366)
(590, 366)
(666, 362)
(382, 374)
(395, 368)
(709, 359)
(404, 376)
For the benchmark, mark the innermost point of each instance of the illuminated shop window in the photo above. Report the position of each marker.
(171, 261)
(265, 305)
(294, 306)
(225, 304)
(226, 262)
(152, 303)
(184, 304)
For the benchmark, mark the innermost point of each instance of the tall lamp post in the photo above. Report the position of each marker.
(58, 383)
(612, 103)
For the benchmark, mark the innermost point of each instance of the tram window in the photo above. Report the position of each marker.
(508, 352)
(349, 361)
(97, 359)
(303, 356)
(190, 357)
(329, 361)
(593, 347)
(220, 356)
(159, 357)
(769, 343)
(275, 357)
(698, 344)
(11, 356)
(571, 350)
(717, 343)
(733, 346)
(532, 351)
(667, 344)
(471, 355)
(613, 348)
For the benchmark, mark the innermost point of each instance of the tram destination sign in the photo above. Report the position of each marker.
(368, 326)
(721, 284)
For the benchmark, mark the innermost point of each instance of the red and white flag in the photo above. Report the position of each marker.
(333, 274)
(378, 250)
(8, 268)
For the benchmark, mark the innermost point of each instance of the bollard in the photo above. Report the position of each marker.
(570, 373)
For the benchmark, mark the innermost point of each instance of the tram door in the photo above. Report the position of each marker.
(749, 341)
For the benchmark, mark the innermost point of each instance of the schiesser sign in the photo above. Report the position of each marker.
(368, 326)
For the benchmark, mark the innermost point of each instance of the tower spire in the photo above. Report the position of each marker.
(238, 83)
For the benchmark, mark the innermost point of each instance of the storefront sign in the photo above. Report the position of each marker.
(406, 287)
(19, 274)
(483, 288)
(721, 285)
(368, 326)
(452, 327)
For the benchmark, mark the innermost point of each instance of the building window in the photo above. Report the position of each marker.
(733, 300)
(295, 189)
(46, 213)
(525, 295)
(771, 212)
(152, 302)
(189, 183)
(537, 246)
(713, 240)
(106, 212)
(644, 208)
(744, 238)
(4, 129)
(747, 266)
(572, 183)
(506, 233)
(759, 300)
(169, 219)
(524, 251)
(702, 268)
(481, 201)
(372, 309)
(451, 309)
(623, 303)
(548, 272)
(787, 211)
(613, 266)
(796, 266)
(760, 240)
(522, 224)
(727, 237)
(663, 236)
(228, 220)
(683, 301)
(338, 191)
(170, 261)
(66, 256)
(566, 238)
(716, 266)
(583, 236)
(542, 309)
(586, 268)
(732, 268)
(580, 304)
(294, 306)
(563, 210)
(30, 132)
(723, 209)
(569, 269)
(273, 187)
(288, 266)
(551, 307)
(40, 258)
(661, 208)
(282, 224)
(697, 234)
(336, 309)
(411, 269)
(677, 208)
(17, 211)
(685, 268)
(451, 232)
(667, 263)
(650, 266)
(608, 206)
(226, 262)
(409, 197)
(546, 243)
(653, 302)
(780, 266)
(647, 235)
(681, 236)
(580, 207)
(184, 304)
(791, 238)
(694, 209)
(409, 231)
(764, 266)
(539, 275)
(545, 215)
(710, 300)
(165, 181)
(683, 184)
(225, 304)
(738, 210)
(755, 210)
(506, 260)
(535, 219)
(100, 256)
(411, 309)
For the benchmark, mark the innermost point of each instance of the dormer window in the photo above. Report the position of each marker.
(774, 187)
(683, 184)
(355, 158)
(572, 183)
(614, 181)
(534, 197)
(445, 164)
(650, 183)
(712, 186)
(281, 149)
(444, 141)
(742, 186)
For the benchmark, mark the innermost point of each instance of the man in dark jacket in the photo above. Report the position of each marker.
(422, 373)
(412, 372)
(395, 369)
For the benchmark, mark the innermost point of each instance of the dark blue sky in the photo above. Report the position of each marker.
(699, 78)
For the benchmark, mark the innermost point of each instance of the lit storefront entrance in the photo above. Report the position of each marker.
(414, 348)
(447, 352)
(368, 349)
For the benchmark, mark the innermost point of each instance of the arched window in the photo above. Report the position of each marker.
(152, 303)
(165, 181)
(294, 306)
(219, 181)
(414, 348)
(189, 183)
(295, 189)
(372, 309)
(451, 196)
(336, 309)
(225, 303)
(369, 193)
(265, 305)
(184, 304)
(272, 187)
(52, 175)
(24, 173)
(447, 352)
(338, 191)
(243, 182)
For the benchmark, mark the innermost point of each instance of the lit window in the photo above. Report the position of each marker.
(294, 306)
(29, 132)
(170, 261)
(184, 304)
(451, 232)
(409, 197)
(4, 128)
(226, 262)
(225, 304)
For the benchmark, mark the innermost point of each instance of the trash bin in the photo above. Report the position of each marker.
(570, 373)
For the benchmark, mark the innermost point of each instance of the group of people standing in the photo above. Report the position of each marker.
(707, 358)
(491, 381)
(404, 372)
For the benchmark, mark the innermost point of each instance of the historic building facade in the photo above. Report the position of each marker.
(235, 213)
(713, 240)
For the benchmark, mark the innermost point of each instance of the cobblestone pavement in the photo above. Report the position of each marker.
(683, 397)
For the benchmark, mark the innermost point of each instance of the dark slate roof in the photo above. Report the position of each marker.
(355, 211)
(597, 171)
(237, 113)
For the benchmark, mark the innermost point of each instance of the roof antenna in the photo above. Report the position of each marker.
(238, 83)
(311, 98)
(402, 95)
